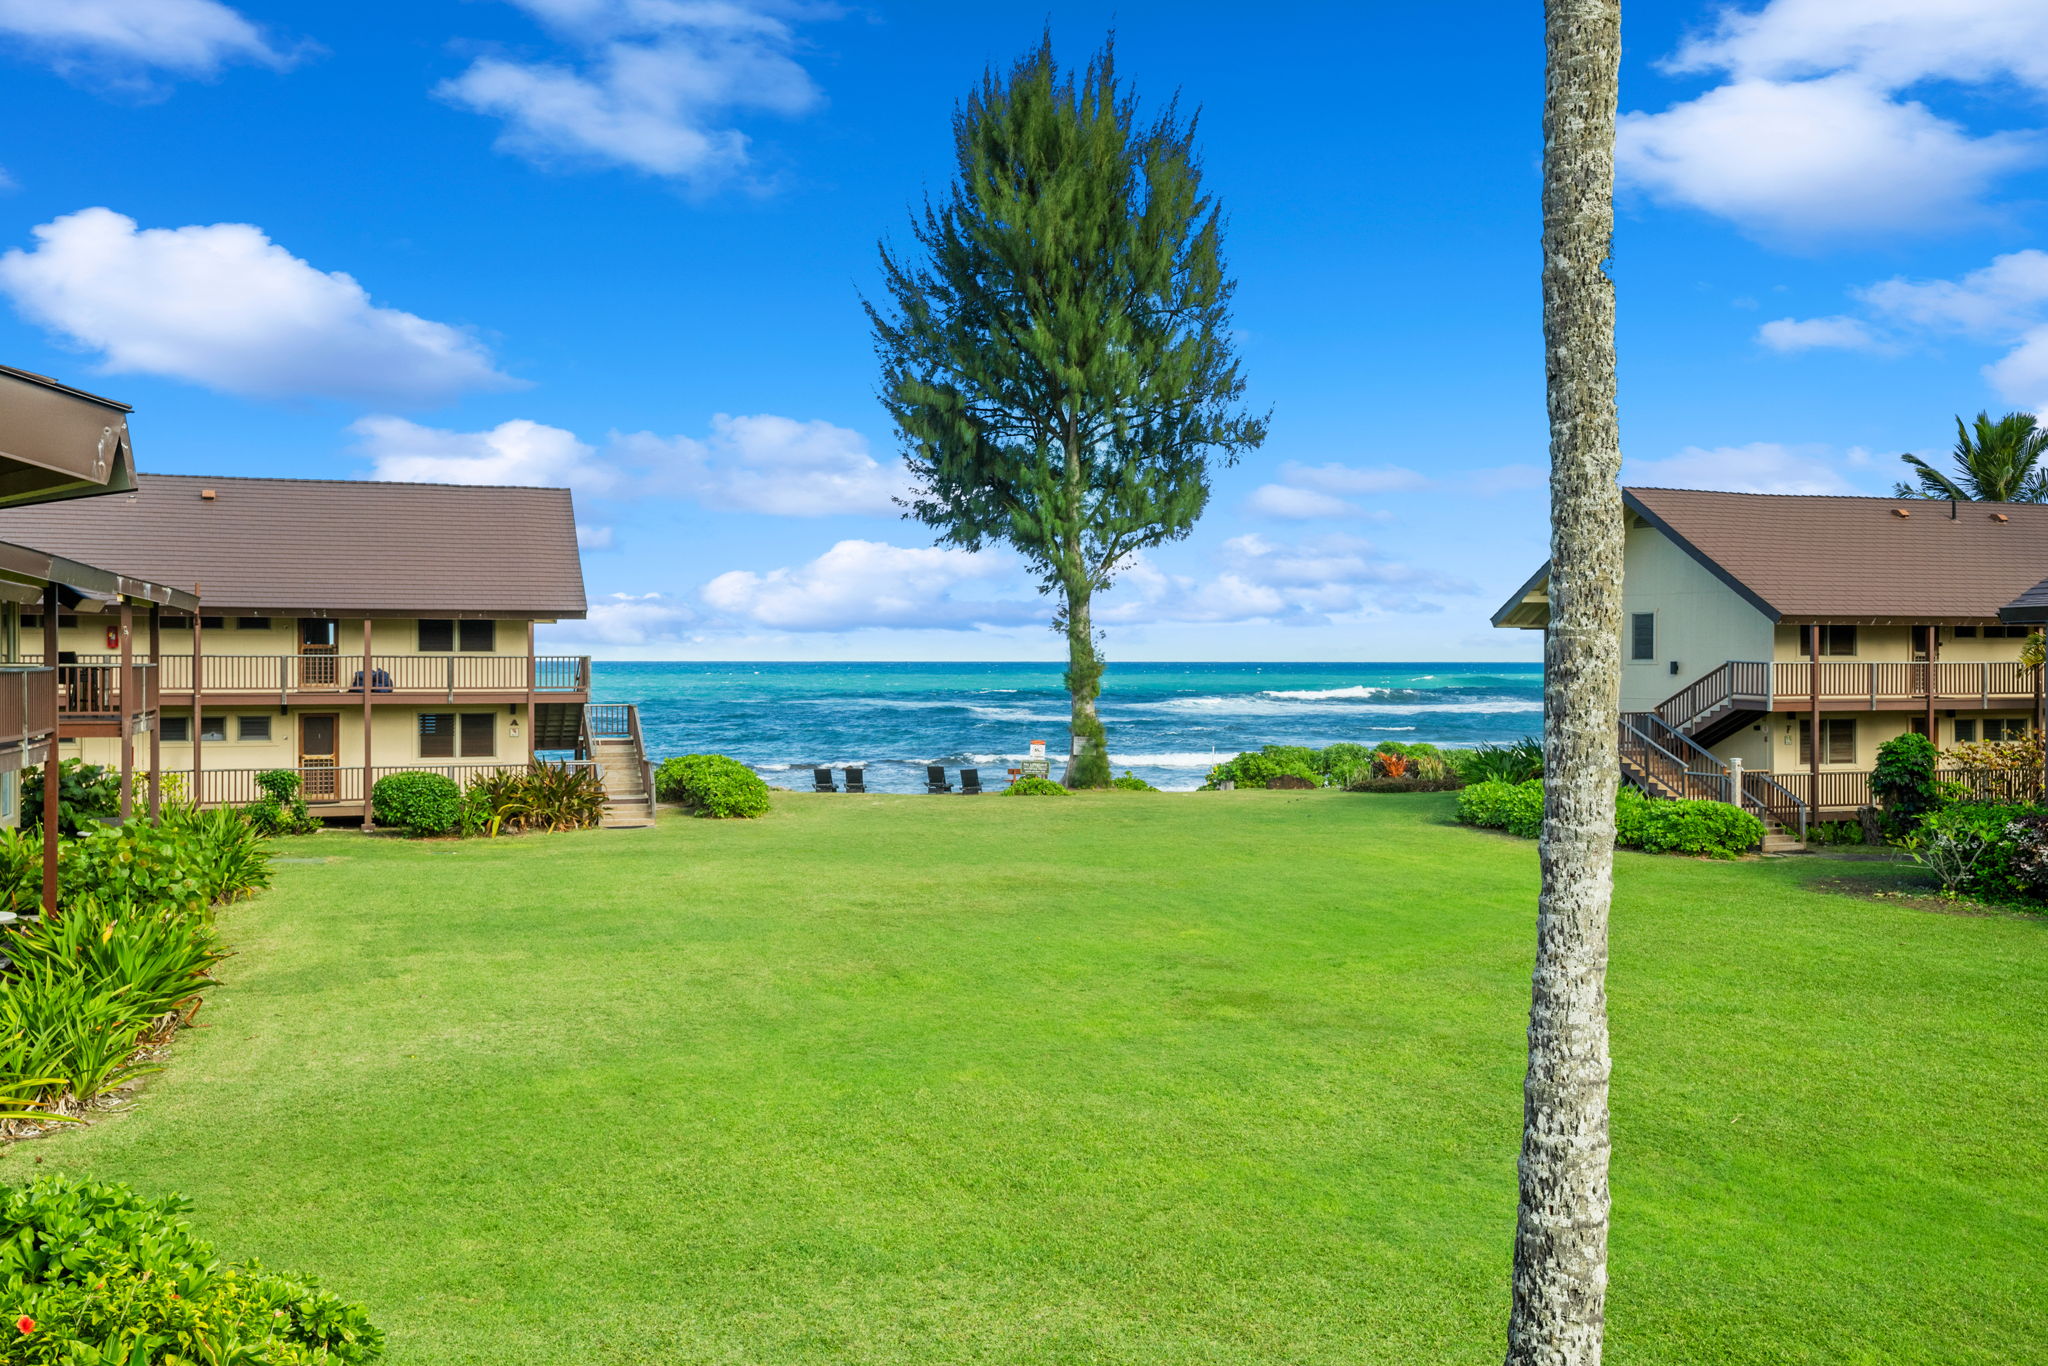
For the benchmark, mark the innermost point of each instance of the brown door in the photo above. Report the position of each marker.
(319, 651)
(319, 752)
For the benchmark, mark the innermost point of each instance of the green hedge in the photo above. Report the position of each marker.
(712, 785)
(1711, 829)
(417, 803)
(92, 1274)
(1031, 785)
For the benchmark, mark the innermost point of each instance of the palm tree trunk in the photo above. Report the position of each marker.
(1560, 1267)
(1089, 766)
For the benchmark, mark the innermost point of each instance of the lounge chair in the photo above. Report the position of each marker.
(380, 681)
(935, 779)
(856, 780)
(821, 780)
(970, 782)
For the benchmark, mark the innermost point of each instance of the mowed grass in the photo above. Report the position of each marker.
(1219, 1078)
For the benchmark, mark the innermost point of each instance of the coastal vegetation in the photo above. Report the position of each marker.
(1713, 829)
(1060, 364)
(1189, 1080)
(541, 796)
(711, 785)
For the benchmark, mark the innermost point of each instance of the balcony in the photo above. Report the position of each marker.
(27, 695)
(282, 679)
(1739, 689)
(335, 790)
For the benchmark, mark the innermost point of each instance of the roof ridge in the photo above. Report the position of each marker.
(1837, 497)
(357, 483)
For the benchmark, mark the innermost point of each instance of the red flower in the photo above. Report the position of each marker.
(26, 1324)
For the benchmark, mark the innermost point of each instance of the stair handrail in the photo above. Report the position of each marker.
(1791, 797)
(1644, 737)
(1721, 769)
(640, 753)
(1714, 687)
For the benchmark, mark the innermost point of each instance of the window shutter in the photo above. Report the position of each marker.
(213, 728)
(479, 734)
(1643, 630)
(437, 735)
(177, 729)
(252, 728)
(1841, 741)
(436, 635)
(480, 636)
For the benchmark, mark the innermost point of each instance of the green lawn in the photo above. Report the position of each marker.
(1227, 1078)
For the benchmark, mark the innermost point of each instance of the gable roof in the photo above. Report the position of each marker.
(331, 547)
(1822, 557)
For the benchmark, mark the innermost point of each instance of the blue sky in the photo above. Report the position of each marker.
(621, 244)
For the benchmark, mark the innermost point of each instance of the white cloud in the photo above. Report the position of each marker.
(1348, 479)
(871, 583)
(1812, 133)
(763, 463)
(1759, 467)
(518, 452)
(1828, 156)
(1292, 504)
(590, 537)
(124, 38)
(628, 619)
(224, 306)
(1809, 334)
(655, 85)
(1293, 583)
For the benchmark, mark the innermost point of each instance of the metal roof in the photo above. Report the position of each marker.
(1826, 558)
(328, 547)
(59, 442)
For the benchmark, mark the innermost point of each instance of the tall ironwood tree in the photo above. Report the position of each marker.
(1560, 1265)
(1059, 364)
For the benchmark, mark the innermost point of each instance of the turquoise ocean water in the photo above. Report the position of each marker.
(1168, 723)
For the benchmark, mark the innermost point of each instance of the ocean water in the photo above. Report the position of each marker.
(1167, 723)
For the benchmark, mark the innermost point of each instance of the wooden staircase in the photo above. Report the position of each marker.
(1663, 761)
(610, 734)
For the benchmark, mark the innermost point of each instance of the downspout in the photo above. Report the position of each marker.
(369, 823)
(127, 686)
(156, 714)
(50, 606)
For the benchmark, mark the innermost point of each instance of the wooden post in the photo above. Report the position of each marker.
(198, 708)
(368, 822)
(532, 685)
(127, 711)
(50, 606)
(156, 714)
(1933, 654)
(1813, 709)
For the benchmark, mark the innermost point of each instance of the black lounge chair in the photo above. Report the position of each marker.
(821, 780)
(856, 780)
(970, 782)
(935, 779)
(380, 681)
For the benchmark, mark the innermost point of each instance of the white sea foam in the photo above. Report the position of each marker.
(1202, 759)
(1317, 694)
(1268, 706)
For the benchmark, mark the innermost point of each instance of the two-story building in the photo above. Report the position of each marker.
(1785, 637)
(349, 628)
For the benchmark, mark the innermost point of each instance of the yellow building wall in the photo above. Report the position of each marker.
(394, 734)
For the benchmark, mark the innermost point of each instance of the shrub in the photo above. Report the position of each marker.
(1976, 847)
(1131, 782)
(86, 795)
(281, 810)
(1514, 807)
(1714, 829)
(1834, 832)
(1256, 768)
(543, 796)
(1343, 762)
(1516, 763)
(417, 803)
(1031, 785)
(1903, 781)
(93, 1274)
(1367, 783)
(712, 785)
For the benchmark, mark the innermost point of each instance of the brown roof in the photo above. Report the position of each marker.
(1813, 557)
(329, 546)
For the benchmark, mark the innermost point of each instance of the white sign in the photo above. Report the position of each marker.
(1038, 751)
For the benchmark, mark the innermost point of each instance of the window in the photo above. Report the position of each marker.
(1642, 635)
(2006, 632)
(479, 637)
(1834, 640)
(1838, 737)
(65, 621)
(252, 728)
(214, 728)
(1966, 732)
(177, 729)
(444, 734)
(479, 735)
(437, 733)
(2004, 728)
(436, 637)
(252, 623)
(1970, 632)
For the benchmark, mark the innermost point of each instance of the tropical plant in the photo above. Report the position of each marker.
(543, 796)
(281, 810)
(1903, 781)
(416, 803)
(1513, 763)
(1060, 365)
(1131, 782)
(1514, 807)
(1996, 461)
(86, 795)
(94, 1274)
(712, 785)
(1031, 785)
(1560, 1250)
(1256, 768)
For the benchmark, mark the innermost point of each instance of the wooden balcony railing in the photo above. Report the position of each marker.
(1756, 685)
(26, 697)
(92, 692)
(323, 784)
(1842, 791)
(450, 675)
